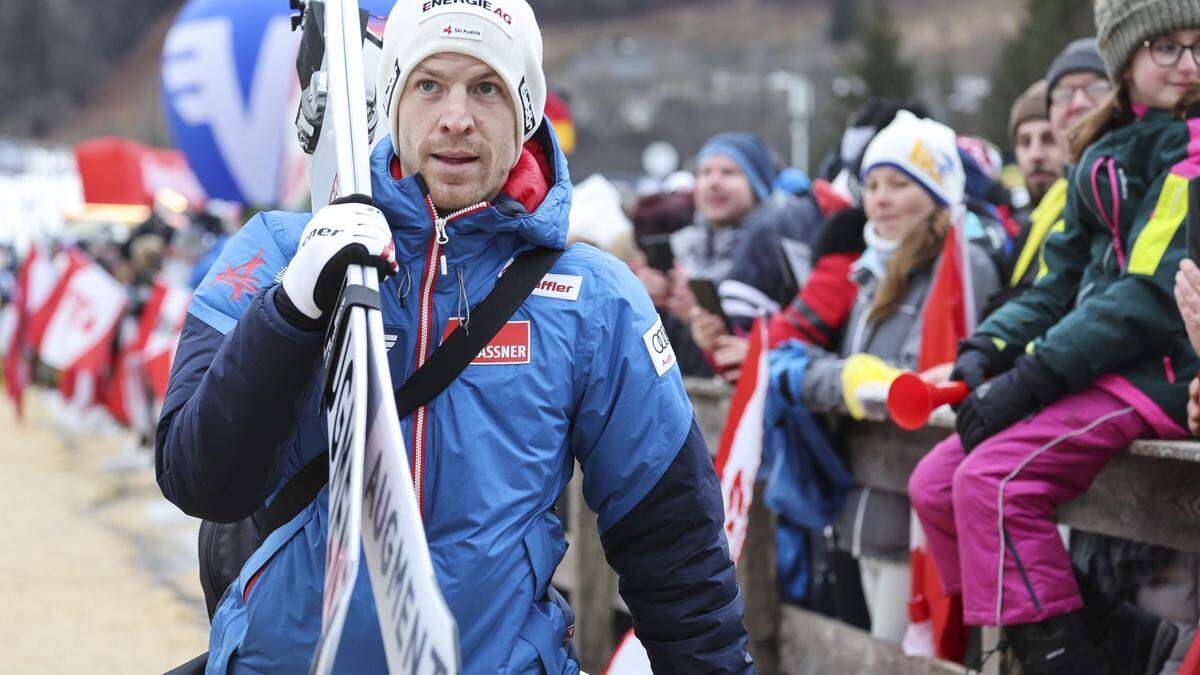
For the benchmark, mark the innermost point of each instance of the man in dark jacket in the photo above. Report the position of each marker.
(741, 219)
(1075, 83)
(472, 177)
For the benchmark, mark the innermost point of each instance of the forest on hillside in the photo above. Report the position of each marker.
(55, 53)
(59, 57)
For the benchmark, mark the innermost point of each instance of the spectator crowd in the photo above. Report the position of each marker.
(1068, 305)
(1079, 320)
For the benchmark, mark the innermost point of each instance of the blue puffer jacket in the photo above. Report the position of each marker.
(496, 450)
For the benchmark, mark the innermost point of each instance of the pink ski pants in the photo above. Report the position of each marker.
(989, 516)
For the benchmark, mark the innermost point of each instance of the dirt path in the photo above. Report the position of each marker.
(97, 571)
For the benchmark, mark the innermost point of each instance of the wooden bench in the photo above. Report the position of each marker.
(1150, 493)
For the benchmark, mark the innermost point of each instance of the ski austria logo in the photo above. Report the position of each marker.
(526, 107)
(492, 11)
(658, 345)
(452, 31)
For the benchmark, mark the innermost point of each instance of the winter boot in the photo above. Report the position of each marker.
(1136, 641)
(1057, 646)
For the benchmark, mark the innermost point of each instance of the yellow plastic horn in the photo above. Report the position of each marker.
(863, 369)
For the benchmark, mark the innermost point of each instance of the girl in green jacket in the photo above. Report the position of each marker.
(1092, 357)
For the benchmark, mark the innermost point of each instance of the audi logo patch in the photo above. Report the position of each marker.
(658, 345)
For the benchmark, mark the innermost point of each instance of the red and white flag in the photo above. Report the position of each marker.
(737, 462)
(950, 311)
(138, 385)
(39, 284)
(78, 338)
(47, 284)
(125, 393)
(158, 333)
(740, 452)
(935, 619)
(16, 360)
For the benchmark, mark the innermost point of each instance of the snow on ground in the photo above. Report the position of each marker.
(98, 572)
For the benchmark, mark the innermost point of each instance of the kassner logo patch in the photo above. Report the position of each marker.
(658, 345)
(510, 347)
(492, 11)
(561, 286)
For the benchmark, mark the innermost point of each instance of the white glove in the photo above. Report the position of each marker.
(339, 235)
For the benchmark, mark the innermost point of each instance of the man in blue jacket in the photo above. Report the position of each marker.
(471, 178)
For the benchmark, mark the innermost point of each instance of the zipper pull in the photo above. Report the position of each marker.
(443, 261)
(406, 285)
(439, 227)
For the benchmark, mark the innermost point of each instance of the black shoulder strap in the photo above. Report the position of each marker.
(445, 364)
(461, 347)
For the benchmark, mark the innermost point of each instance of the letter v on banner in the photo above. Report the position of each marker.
(738, 459)
(419, 633)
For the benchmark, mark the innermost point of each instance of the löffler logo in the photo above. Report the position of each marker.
(561, 286)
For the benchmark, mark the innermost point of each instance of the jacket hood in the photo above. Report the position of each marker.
(404, 201)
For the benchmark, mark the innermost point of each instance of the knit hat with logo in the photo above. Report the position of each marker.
(503, 34)
(925, 150)
(1123, 25)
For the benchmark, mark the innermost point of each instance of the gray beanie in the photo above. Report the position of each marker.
(1081, 55)
(1123, 25)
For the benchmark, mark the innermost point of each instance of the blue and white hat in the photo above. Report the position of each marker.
(925, 150)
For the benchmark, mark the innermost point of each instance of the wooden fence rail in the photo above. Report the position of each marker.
(1149, 493)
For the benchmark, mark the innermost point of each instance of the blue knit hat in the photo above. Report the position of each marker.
(751, 154)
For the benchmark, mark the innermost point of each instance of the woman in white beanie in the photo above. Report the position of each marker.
(913, 181)
(1091, 358)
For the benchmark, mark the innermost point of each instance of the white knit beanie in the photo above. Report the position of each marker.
(925, 150)
(504, 34)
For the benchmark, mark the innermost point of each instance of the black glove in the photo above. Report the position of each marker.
(996, 405)
(978, 359)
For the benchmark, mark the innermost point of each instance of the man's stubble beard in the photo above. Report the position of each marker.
(451, 198)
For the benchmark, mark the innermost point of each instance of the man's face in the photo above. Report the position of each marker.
(723, 193)
(1039, 157)
(457, 128)
(1073, 96)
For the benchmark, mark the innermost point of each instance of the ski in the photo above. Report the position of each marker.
(372, 507)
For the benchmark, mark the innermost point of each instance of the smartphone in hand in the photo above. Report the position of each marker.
(708, 299)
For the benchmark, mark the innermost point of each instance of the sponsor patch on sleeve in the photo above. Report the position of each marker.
(561, 286)
(659, 347)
